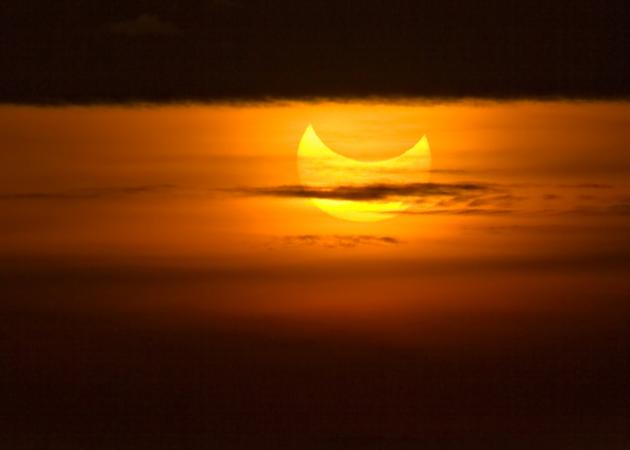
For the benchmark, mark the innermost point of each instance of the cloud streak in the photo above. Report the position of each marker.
(424, 199)
(466, 198)
(370, 192)
(462, 198)
(337, 241)
(90, 193)
(459, 212)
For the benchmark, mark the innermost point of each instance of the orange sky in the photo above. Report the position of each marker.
(185, 216)
(155, 182)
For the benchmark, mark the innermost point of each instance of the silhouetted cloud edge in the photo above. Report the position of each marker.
(142, 101)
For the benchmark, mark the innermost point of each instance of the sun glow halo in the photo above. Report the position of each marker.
(322, 168)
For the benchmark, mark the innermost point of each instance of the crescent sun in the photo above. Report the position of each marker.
(322, 168)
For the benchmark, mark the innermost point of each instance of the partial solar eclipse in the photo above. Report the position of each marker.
(322, 168)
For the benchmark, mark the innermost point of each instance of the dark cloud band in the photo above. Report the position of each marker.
(90, 193)
(370, 192)
(91, 52)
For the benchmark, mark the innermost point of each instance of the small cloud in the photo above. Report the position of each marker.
(503, 201)
(143, 25)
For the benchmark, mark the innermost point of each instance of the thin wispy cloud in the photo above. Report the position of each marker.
(587, 186)
(90, 193)
(459, 212)
(336, 241)
(611, 209)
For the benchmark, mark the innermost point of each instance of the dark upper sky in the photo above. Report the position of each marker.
(77, 51)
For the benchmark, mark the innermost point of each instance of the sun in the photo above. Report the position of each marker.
(321, 168)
